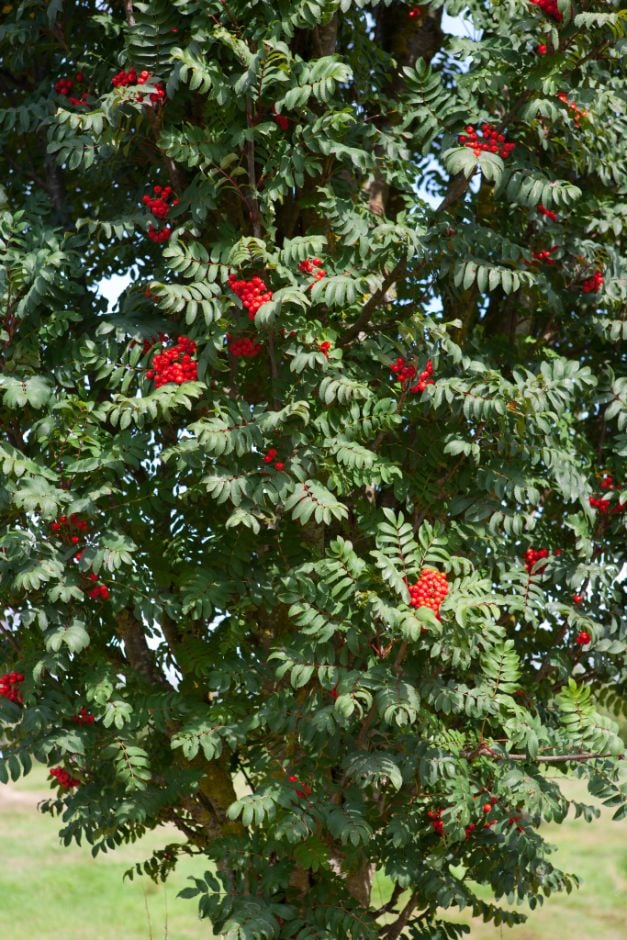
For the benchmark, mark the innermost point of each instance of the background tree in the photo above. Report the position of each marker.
(330, 505)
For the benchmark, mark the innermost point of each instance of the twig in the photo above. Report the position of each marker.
(252, 180)
(373, 303)
(128, 10)
(484, 751)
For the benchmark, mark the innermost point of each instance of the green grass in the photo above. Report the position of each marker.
(48, 891)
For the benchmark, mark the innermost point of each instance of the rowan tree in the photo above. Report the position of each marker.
(312, 546)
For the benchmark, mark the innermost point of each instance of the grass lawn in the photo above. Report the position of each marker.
(48, 891)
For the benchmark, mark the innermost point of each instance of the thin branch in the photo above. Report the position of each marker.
(484, 751)
(252, 178)
(128, 10)
(378, 297)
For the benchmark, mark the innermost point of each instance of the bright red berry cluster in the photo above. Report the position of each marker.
(159, 203)
(533, 555)
(325, 347)
(10, 686)
(550, 8)
(314, 267)
(415, 12)
(547, 212)
(253, 293)
(583, 638)
(303, 789)
(123, 78)
(437, 823)
(593, 284)
(609, 484)
(70, 529)
(159, 235)
(64, 779)
(542, 48)
(405, 372)
(271, 456)
(243, 347)
(490, 141)
(544, 255)
(65, 86)
(175, 364)
(577, 598)
(83, 717)
(425, 378)
(605, 506)
(429, 590)
(99, 592)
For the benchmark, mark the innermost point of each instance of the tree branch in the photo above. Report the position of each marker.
(484, 751)
(129, 13)
(395, 930)
(378, 297)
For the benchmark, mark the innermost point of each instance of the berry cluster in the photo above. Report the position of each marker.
(67, 528)
(593, 284)
(490, 141)
(415, 12)
(542, 48)
(64, 779)
(304, 790)
(159, 236)
(244, 347)
(550, 8)
(578, 113)
(83, 717)
(253, 294)
(123, 79)
(437, 823)
(405, 372)
(533, 555)
(9, 686)
(65, 86)
(544, 255)
(547, 212)
(609, 483)
(429, 590)
(325, 347)
(99, 592)
(271, 456)
(402, 370)
(605, 506)
(583, 638)
(577, 598)
(159, 203)
(314, 267)
(175, 364)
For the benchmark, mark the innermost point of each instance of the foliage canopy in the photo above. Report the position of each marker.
(217, 569)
